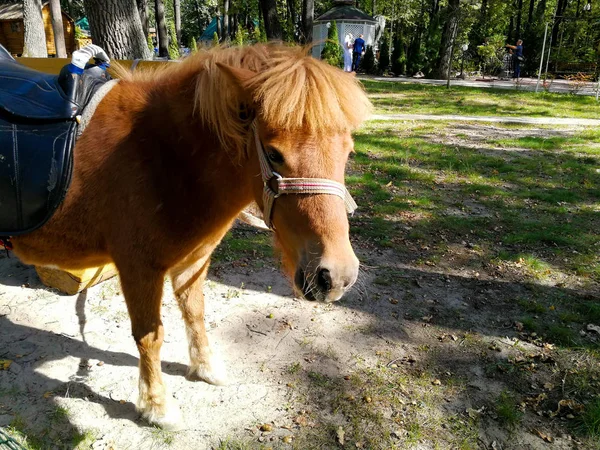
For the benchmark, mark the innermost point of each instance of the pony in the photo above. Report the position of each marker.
(169, 160)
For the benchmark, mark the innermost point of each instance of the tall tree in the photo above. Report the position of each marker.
(519, 15)
(448, 37)
(35, 37)
(308, 15)
(142, 6)
(226, 29)
(57, 28)
(117, 28)
(272, 23)
(161, 29)
(177, 11)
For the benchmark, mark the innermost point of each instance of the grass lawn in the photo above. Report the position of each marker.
(407, 98)
(518, 194)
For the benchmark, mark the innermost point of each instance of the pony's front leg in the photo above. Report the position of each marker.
(143, 295)
(187, 282)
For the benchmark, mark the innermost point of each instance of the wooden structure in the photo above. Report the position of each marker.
(12, 33)
(73, 281)
(349, 19)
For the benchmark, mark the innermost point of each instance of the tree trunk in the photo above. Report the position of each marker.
(161, 29)
(272, 24)
(530, 14)
(519, 14)
(226, 19)
(35, 37)
(308, 15)
(448, 38)
(177, 11)
(57, 28)
(143, 10)
(199, 17)
(117, 28)
(560, 9)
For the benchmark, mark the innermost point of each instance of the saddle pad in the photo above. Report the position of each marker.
(35, 171)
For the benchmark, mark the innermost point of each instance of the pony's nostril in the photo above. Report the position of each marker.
(324, 280)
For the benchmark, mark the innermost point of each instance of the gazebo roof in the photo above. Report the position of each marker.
(345, 12)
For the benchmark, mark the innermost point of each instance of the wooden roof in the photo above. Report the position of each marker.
(11, 11)
(14, 10)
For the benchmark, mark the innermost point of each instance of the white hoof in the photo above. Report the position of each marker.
(166, 416)
(213, 371)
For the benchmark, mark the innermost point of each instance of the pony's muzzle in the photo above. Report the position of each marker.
(325, 283)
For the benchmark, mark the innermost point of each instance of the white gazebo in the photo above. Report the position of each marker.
(349, 19)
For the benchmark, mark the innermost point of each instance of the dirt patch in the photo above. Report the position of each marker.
(422, 354)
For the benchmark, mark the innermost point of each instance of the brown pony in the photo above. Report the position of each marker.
(167, 163)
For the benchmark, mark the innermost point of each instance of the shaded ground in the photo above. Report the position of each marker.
(467, 330)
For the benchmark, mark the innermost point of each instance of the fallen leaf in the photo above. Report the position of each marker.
(592, 327)
(47, 394)
(544, 436)
(301, 420)
(436, 382)
(287, 439)
(475, 413)
(5, 364)
(266, 427)
(340, 435)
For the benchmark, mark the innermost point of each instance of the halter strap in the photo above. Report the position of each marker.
(293, 185)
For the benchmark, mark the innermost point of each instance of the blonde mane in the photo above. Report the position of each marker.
(293, 92)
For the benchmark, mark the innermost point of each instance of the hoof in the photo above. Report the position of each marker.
(166, 416)
(212, 372)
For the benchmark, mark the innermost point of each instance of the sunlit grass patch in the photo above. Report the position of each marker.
(243, 242)
(406, 98)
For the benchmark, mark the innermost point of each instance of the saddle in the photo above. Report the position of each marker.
(38, 125)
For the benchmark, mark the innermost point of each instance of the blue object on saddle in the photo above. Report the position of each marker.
(37, 134)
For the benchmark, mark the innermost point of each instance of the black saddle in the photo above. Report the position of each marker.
(38, 124)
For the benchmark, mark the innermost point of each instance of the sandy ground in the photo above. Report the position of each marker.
(74, 354)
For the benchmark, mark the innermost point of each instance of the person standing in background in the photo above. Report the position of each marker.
(518, 57)
(358, 50)
(348, 46)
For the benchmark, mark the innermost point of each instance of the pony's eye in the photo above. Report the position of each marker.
(274, 156)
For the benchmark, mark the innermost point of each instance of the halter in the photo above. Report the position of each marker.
(294, 185)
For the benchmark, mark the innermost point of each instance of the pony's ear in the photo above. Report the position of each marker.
(238, 77)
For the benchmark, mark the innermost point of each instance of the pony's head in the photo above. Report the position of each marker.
(298, 113)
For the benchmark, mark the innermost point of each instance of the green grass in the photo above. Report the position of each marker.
(507, 410)
(244, 245)
(406, 98)
(590, 420)
(535, 209)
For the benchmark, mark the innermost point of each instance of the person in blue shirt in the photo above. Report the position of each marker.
(358, 50)
(517, 57)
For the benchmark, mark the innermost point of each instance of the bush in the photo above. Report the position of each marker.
(384, 52)
(241, 36)
(193, 45)
(398, 58)
(491, 54)
(368, 61)
(173, 45)
(332, 51)
(215, 40)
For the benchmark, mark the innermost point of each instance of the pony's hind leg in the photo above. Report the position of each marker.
(187, 284)
(143, 295)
